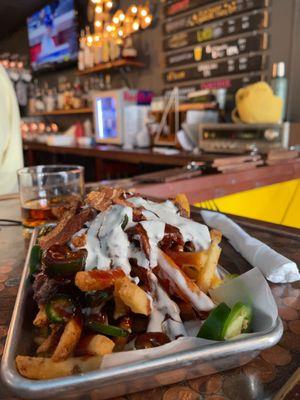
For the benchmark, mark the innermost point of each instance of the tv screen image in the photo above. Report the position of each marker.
(52, 34)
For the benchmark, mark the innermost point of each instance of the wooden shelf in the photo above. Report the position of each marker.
(63, 112)
(190, 106)
(112, 65)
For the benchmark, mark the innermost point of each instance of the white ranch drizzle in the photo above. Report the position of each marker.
(107, 244)
(198, 299)
(155, 231)
(168, 213)
(162, 306)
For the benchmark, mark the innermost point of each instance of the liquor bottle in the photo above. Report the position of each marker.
(107, 80)
(60, 94)
(88, 51)
(49, 100)
(105, 51)
(98, 52)
(77, 100)
(82, 44)
(86, 91)
(31, 102)
(39, 103)
(68, 96)
(279, 84)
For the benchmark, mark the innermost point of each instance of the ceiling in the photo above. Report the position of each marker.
(13, 13)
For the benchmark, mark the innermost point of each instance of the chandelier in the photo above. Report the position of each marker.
(120, 25)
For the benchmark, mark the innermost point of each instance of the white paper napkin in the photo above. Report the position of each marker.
(275, 267)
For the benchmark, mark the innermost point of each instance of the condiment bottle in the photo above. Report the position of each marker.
(279, 84)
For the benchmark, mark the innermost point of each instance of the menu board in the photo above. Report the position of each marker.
(220, 29)
(216, 68)
(211, 13)
(221, 41)
(217, 50)
(179, 6)
(230, 83)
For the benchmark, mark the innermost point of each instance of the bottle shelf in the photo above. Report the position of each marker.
(112, 65)
(190, 106)
(63, 112)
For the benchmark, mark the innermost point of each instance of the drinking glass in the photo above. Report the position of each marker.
(47, 191)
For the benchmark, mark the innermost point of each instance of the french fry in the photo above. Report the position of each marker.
(191, 263)
(215, 281)
(41, 318)
(207, 273)
(46, 368)
(49, 344)
(182, 200)
(216, 235)
(98, 279)
(95, 345)
(182, 258)
(190, 291)
(120, 307)
(133, 296)
(68, 340)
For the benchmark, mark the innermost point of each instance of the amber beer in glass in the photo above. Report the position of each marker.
(47, 191)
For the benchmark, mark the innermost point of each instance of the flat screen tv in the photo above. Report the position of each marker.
(53, 35)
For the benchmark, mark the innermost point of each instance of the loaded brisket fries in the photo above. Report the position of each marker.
(121, 272)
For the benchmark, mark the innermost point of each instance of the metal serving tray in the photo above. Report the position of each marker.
(129, 378)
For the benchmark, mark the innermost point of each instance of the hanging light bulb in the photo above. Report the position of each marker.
(121, 16)
(148, 20)
(115, 20)
(121, 32)
(135, 25)
(89, 40)
(108, 28)
(98, 9)
(109, 4)
(143, 11)
(133, 9)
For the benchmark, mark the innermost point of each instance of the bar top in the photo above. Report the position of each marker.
(261, 378)
(135, 156)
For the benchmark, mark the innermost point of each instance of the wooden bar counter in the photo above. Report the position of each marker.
(204, 187)
(274, 370)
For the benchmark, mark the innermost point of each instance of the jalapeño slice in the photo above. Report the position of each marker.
(60, 308)
(109, 330)
(238, 321)
(60, 260)
(35, 259)
(213, 326)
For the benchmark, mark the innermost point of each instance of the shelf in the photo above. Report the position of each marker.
(190, 106)
(112, 65)
(63, 112)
